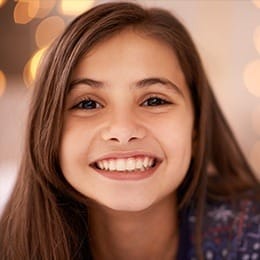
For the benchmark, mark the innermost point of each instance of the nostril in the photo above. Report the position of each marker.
(120, 133)
(119, 140)
(133, 138)
(114, 139)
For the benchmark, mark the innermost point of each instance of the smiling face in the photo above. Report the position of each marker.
(128, 124)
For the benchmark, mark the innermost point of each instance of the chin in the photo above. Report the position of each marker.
(130, 208)
(127, 205)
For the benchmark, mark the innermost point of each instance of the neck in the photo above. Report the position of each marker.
(149, 234)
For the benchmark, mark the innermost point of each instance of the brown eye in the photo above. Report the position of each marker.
(155, 101)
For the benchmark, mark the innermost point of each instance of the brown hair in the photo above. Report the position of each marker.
(45, 217)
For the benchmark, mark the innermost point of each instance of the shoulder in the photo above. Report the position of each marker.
(231, 230)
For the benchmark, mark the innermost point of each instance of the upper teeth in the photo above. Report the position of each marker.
(126, 164)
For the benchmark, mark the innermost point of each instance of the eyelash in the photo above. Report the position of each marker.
(159, 102)
(162, 101)
(81, 104)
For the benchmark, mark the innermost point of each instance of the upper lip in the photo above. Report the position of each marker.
(126, 154)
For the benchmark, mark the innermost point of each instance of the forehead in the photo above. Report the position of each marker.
(130, 56)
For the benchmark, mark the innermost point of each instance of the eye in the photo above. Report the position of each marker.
(155, 101)
(88, 104)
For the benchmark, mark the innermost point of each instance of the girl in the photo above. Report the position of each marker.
(127, 153)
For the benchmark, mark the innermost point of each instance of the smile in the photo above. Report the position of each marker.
(130, 164)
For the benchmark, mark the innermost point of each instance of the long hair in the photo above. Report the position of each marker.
(45, 218)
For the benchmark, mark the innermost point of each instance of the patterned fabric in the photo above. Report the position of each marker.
(229, 232)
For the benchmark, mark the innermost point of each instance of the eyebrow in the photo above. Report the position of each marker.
(144, 83)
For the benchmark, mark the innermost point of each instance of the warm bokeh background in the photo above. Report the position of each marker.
(227, 33)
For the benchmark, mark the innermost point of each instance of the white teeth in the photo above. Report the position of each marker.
(120, 165)
(139, 164)
(112, 165)
(146, 161)
(100, 165)
(128, 164)
(150, 162)
(105, 163)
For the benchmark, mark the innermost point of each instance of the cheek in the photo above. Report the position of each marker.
(179, 145)
(176, 143)
(75, 143)
(174, 133)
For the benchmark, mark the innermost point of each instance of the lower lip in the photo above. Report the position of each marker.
(126, 175)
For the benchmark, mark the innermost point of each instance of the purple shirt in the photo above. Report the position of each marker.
(229, 232)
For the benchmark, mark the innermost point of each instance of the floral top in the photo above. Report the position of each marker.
(230, 233)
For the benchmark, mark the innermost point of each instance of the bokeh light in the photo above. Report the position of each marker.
(257, 39)
(256, 120)
(48, 30)
(30, 69)
(45, 7)
(76, 7)
(25, 11)
(256, 3)
(2, 2)
(254, 157)
(252, 77)
(33, 7)
(2, 83)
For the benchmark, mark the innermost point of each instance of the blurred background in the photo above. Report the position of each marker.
(227, 33)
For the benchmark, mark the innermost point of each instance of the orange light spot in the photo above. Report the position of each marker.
(45, 7)
(76, 7)
(256, 3)
(2, 82)
(31, 67)
(25, 11)
(48, 30)
(2, 2)
(252, 77)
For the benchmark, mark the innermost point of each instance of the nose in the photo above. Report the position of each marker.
(123, 128)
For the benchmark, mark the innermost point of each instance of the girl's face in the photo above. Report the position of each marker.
(128, 124)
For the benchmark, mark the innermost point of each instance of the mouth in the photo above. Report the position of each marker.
(129, 165)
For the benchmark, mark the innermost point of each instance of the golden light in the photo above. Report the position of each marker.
(27, 78)
(2, 2)
(76, 7)
(252, 77)
(2, 83)
(256, 3)
(25, 11)
(254, 157)
(48, 30)
(30, 69)
(35, 61)
(257, 39)
(256, 120)
(33, 7)
(45, 7)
